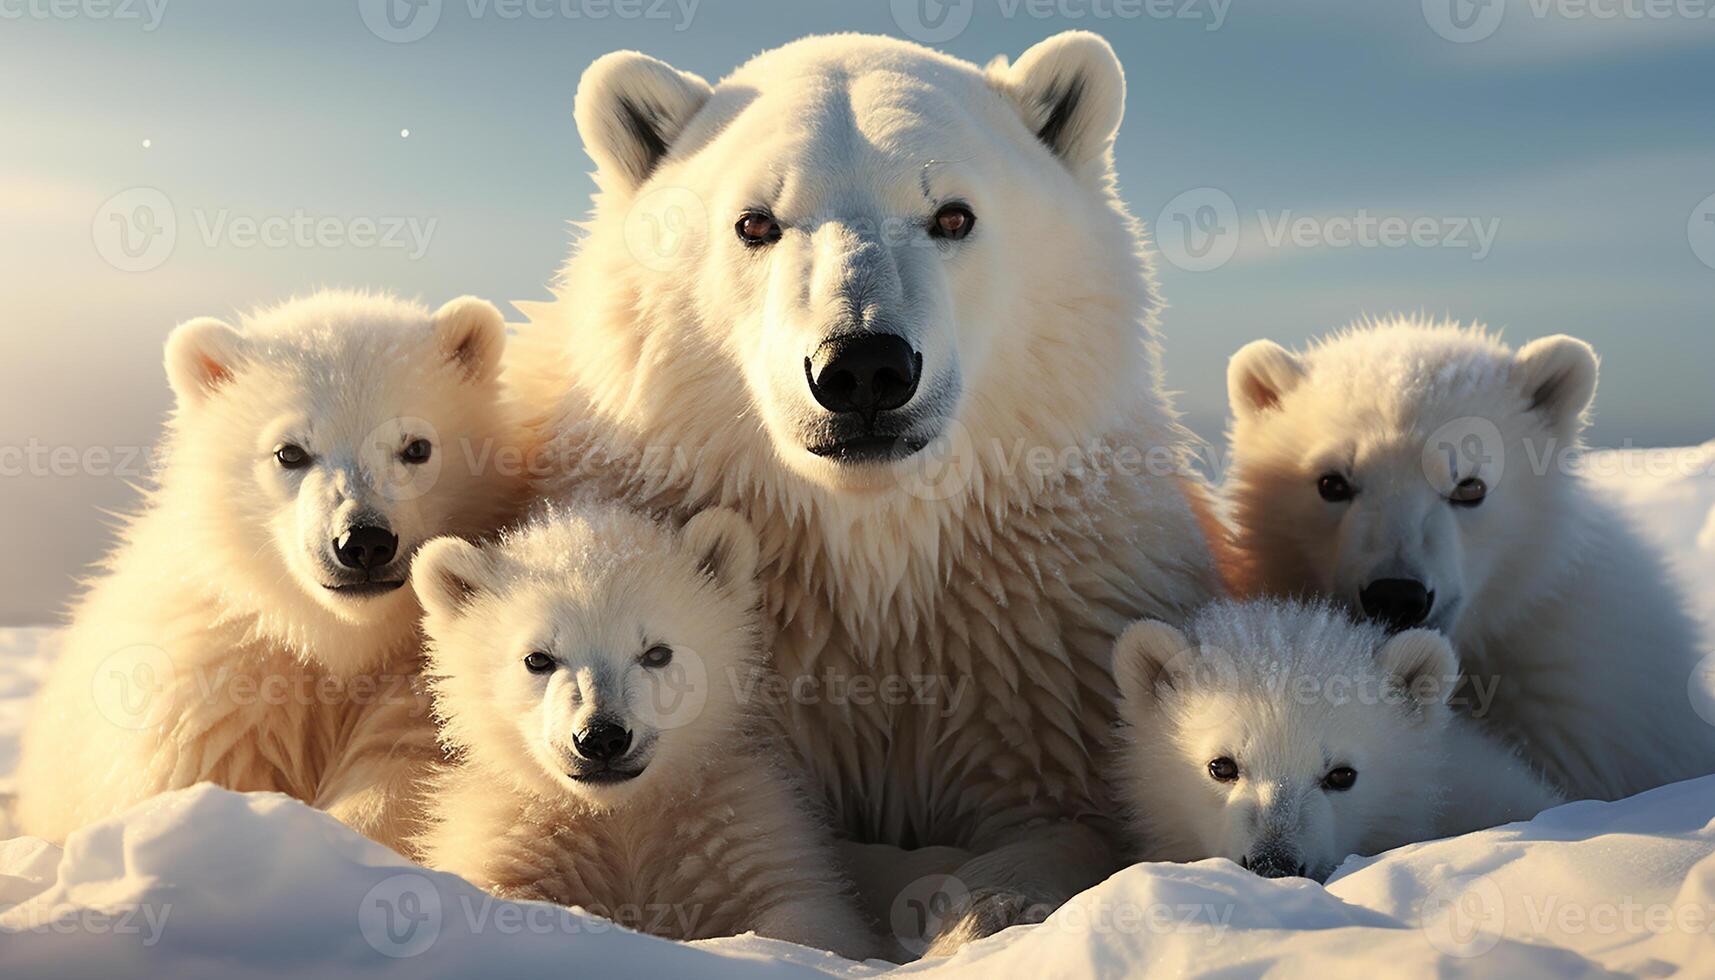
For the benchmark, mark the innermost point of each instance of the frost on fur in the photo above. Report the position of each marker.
(252, 627)
(593, 673)
(1426, 474)
(954, 445)
(1286, 736)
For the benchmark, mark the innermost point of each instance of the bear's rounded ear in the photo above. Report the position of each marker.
(448, 573)
(1558, 376)
(724, 545)
(1422, 664)
(1260, 375)
(629, 110)
(1143, 656)
(202, 355)
(1070, 89)
(472, 335)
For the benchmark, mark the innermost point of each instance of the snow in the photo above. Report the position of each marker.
(208, 883)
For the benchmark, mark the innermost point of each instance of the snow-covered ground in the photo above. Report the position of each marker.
(210, 883)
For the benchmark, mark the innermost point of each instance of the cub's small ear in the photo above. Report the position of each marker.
(629, 110)
(1142, 657)
(1558, 376)
(448, 573)
(1260, 375)
(1423, 665)
(202, 355)
(725, 546)
(1070, 89)
(472, 335)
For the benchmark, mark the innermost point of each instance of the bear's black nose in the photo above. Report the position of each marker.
(1400, 603)
(864, 373)
(1273, 864)
(366, 548)
(602, 741)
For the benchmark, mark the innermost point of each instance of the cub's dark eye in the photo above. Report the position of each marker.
(1469, 493)
(656, 657)
(1340, 779)
(538, 663)
(952, 222)
(417, 452)
(1223, 770)
(1334, 488)
(757, 228)
(292, 457)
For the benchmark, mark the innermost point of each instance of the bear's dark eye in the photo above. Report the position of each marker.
(1223, 770)
(1470, 492)
(292, 457)
(757, 228)
(1334, 488)
(538, 663)
(1340, 779)
(417, 452)
(952, 222)
(656, 657)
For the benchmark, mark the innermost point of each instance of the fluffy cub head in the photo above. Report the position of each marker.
(1281, 736)
(594, 651)
(1411, 472)
(319, 443)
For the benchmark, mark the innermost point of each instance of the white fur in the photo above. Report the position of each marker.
(209, 648)
(1547, 589)
(709, 838)
(682, 386)
(1289, 692)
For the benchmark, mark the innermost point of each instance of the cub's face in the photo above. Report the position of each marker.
(873, 240)
(596, 655)
(332, 437)
(1403, 473)
(1281, 771)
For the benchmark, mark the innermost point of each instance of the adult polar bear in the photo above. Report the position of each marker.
(901, 252)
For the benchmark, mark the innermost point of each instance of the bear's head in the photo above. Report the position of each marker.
(318, 445)
(1283, 737)
(593, 651)
(854, 249)
(1411, 472)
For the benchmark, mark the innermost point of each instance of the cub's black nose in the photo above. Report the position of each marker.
(864, 373)
(366, 548)
(1398, 602)
(602, 741)
(1273, 864)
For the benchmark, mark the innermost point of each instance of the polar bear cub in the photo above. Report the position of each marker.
(1286, 736)
(588, 672)
(1427, 475)
(252, 628)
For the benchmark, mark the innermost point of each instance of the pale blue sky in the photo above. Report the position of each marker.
(1584, 146)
